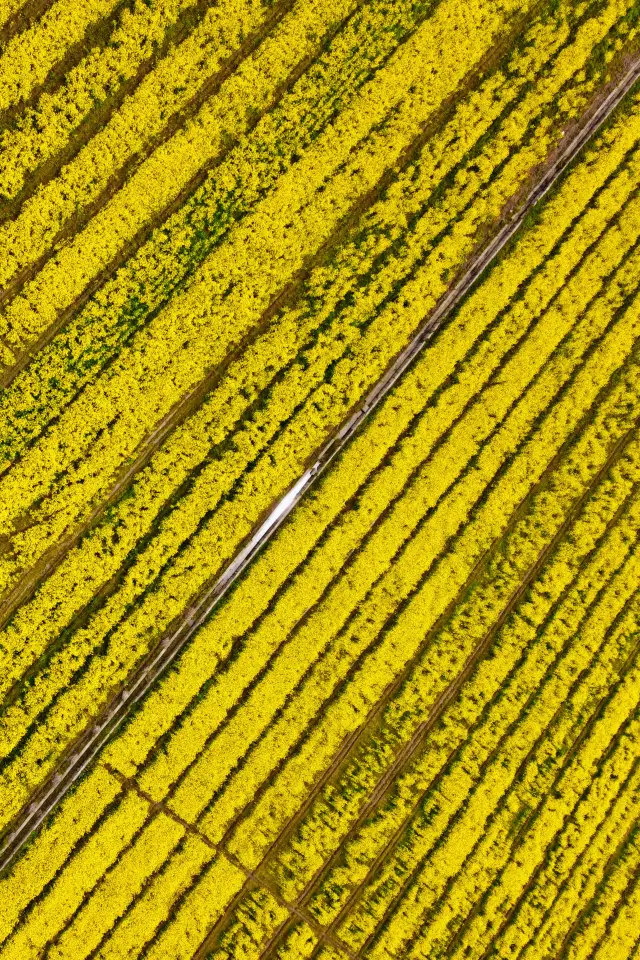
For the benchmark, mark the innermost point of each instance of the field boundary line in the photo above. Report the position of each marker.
(167, 650)
(296, 912)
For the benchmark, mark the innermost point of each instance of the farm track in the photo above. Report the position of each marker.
(295, 911)
(77, 761)
(409, 750)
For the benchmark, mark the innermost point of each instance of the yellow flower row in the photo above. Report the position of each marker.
(253, 834)
(29, 56)
(579, 881)
(593, 831)
(254, 920)
(299, 943)
(200, 909)
(154, 906)
(411, 706)
(85, 483)
(173, 82)
(33, 536)
(582, 768)
(44, 128)
(79, 875)
(558, 732)
(117, 888)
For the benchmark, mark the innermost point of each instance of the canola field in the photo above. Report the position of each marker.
(411, 727)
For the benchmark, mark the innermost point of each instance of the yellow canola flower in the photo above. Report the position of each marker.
(581, 769)
(44, 129)
(87, 480)
(298, 944)
(622, 933)
(77, 878)
(403, 640)
(479, 871)
(198, 912)
(30, 55)
(580, 883)
(255, 919)
(593, 830)
(31, 539)
(40, 861)
(117, 888)
(154, 906)
(7, 10)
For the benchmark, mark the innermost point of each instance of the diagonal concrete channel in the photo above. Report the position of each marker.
(87, 747)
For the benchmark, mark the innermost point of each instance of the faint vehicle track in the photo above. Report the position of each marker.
(88, 746)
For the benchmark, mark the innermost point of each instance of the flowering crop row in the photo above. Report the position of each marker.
(44, 129)
(117, 663)
(161, 177)
(47, 713)
(404, 715)
(29, 56)
(175, 80)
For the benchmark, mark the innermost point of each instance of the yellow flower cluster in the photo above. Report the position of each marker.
(257, 917)
(30, 55)
(45, 128)
(551, 914)
(505, 801)
(174, 81)
(198, 911)
(91, 458)
(80, 874)
(152, 907)
(133, 637)
(577, 638)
